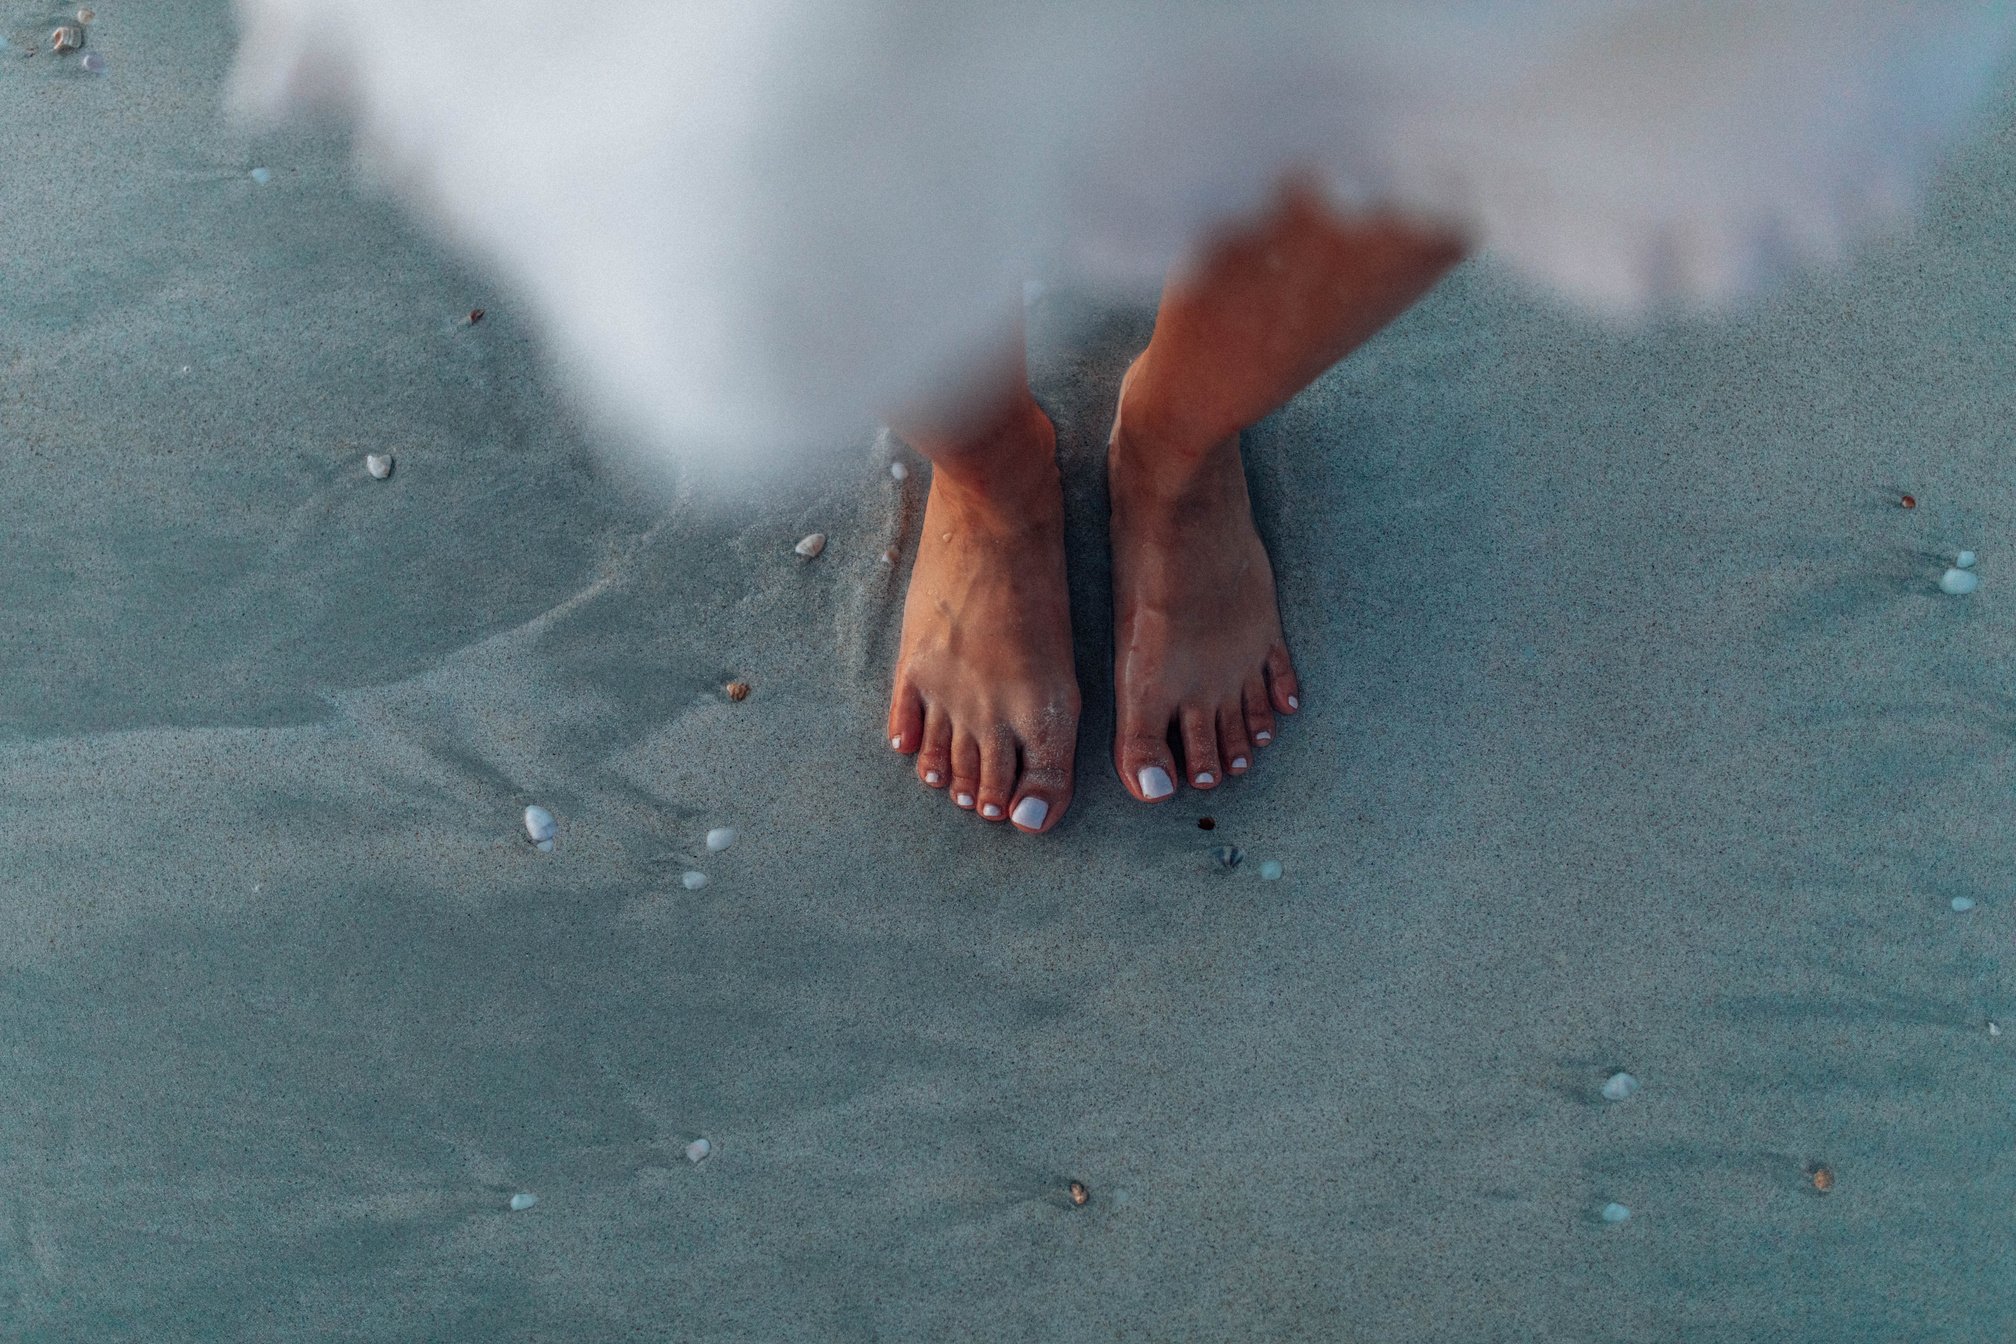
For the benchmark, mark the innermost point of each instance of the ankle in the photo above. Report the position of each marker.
(1001, 464)
(1160, 427)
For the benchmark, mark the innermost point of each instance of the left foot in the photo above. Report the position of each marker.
(1198, 655)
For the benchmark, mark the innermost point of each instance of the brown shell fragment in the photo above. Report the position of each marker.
(67, 37)
(737, 690)
(1822, 1177)
(1080, 1196)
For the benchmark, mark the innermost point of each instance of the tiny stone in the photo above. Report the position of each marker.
(696, 1151)
(1615, 1213)
(1207, 823)
(889, 557)
(1822, 1178)
(1229, 855)
(812, 545)
(1619, 1086)
(86, 15)
(1270, 871)
(720, 838)
(262, 175)
(737, 690)
(898, 470)
(378, 464)
(475, 316)
(1964, 560)
(1994, 1030)
(1080, 1196)
(1959, 582)
(523, 1201)
(1907, 501)
(539, 824)
(1962, 904)
(692, 881)
(93, 62)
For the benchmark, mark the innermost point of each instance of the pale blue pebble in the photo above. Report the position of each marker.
(693, 881)
(262, 175)
(523, 1201)
(1615, 1213)
(1959, 582)
(720, 838)
(1963, 903)
(1619, 1086)
(1270, 871)
(1964, 560)
(93, 62)
(539, 825)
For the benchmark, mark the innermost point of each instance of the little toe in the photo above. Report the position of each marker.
(1259, 714)
(906, 719)
(1284, 691)
(934, 757)
(1233, 747)
(1200, 746)
(997, 775)
(965, 768)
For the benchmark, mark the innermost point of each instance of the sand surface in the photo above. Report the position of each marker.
(1638, 736)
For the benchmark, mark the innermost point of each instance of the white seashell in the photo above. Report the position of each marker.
(378, 464)
(693, 881)
(812, 545)
(85, 15)
(1963, 904)
(1615, 1213)
(523, 1201)
(1964, 560)
(1959, 582)
(697, 1150)
(539, 825)
(92, 62)
(67, 37)
(1994, 1030)
(898, 470)
(1619, 1086)
(261, 175)
(720, 838)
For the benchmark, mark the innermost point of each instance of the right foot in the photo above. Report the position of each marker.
(986, 694)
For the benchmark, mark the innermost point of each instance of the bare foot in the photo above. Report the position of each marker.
(1197, 647)
(986, 694)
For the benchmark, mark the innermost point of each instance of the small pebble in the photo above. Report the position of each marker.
(1615, 1213)
(812, 545)
(378, 464)
(475, 316)
(692, 881)
(1962, 904)
(262, 175)
(1959, 582)
(93, 62)
(898, 470)
(696, 1151)
(736, 690)
(720, 838)
(1229, 855)
(1207, 823)
(1907, 501)
(1964, 560)
(523, 1201)
(1994, 1030)
(539, 826)
(1080, 1196)
(889, 557)
(1822, 1178)
(1270, 871)
(1619, 1086)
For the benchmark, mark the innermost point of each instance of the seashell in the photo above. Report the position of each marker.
(539, 826)
(1615, 1213)
(1619, 1086)
(720, 838)
(1959, 582)
(86, 15)
(737, 690)
(692, 881)
(1270, 871)
(1080, 1196)
(811, 546)
(889, 557)
(522, 1201)
(1230, 856)
(67, 37)
(378, 464)
(261, 175)
(93, 62)
(1906, 501)
(1821, 1176)
(697, 1151)
(898, 470)
(1994, 1030)
(475, 316)
(1962, 904)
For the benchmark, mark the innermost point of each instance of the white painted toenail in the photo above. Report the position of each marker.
(1238, 762)
(1263, 737)
(933, 777)
(1206, 778)
(991, 811)
(1030, 813)
(1293, 703)
(1154, 782)
(964, 800)
(896, 742)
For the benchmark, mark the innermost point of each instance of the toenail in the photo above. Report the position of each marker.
(1154, 781)
(1293, 703)
(1206, 778)
(1238, 762)
(1263, 737)
(964, 800)
(1030, 813)
(897, 742)
(991, 811)
(933, 777)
